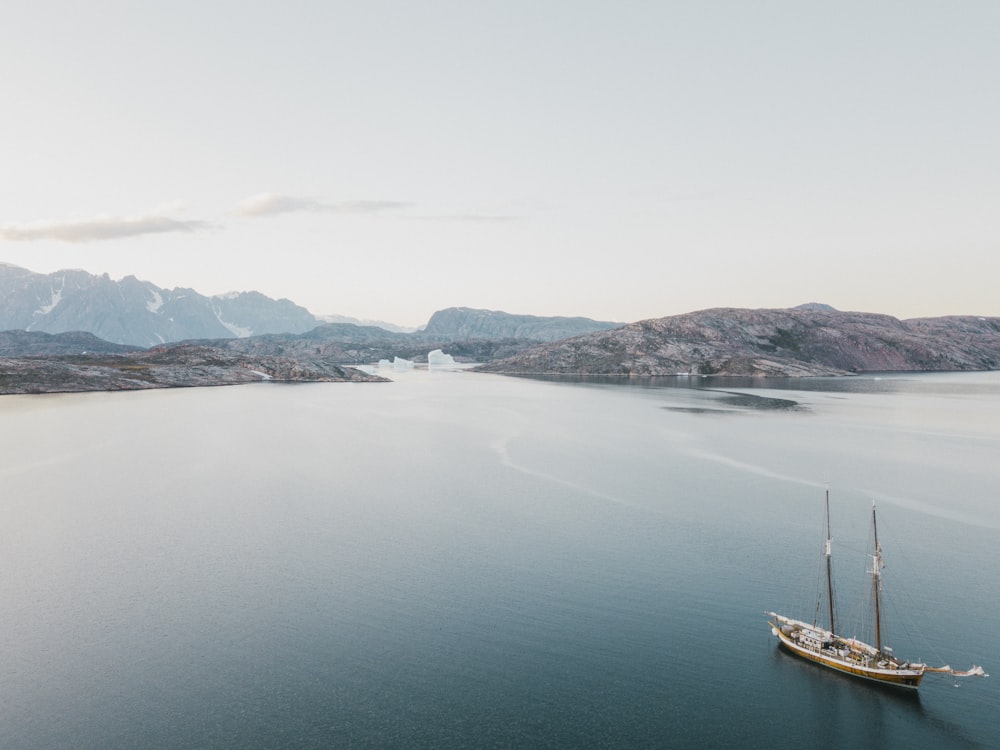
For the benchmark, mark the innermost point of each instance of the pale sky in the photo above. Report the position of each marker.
(616, 160)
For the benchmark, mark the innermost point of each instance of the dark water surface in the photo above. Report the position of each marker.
(465, 560)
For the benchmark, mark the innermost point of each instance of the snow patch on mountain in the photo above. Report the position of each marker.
(240, 332)
(156, 303)
(55, 300)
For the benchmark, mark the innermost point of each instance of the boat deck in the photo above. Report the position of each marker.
(844, 654)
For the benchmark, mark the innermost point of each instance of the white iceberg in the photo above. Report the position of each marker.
(399, 364)
(438, 357)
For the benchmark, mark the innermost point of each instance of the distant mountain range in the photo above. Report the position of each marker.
(97, 318)
(810, 340)
(465, 323)
(358, 322)
(139, 313)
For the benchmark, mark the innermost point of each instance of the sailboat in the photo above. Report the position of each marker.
(849, 655)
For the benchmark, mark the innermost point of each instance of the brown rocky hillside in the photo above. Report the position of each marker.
(788, 342)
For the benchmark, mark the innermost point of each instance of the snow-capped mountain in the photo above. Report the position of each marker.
(130, 311)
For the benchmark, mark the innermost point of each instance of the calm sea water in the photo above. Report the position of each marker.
(464, 560)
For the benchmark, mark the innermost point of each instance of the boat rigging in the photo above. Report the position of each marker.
(849, 655)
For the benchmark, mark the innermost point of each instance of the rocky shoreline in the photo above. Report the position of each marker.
(162, 367)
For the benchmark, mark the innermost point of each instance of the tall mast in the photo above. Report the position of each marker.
(829, 571)
(877, 582)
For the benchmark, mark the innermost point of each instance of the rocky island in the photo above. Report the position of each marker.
(811, 340)
(167, 366)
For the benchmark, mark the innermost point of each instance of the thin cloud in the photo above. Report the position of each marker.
(272, 204)
(364, 207)
(98, 228)
(485, 218)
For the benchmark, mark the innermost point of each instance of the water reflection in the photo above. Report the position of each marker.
(735, 400)
(943, 383)
(875, 707)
